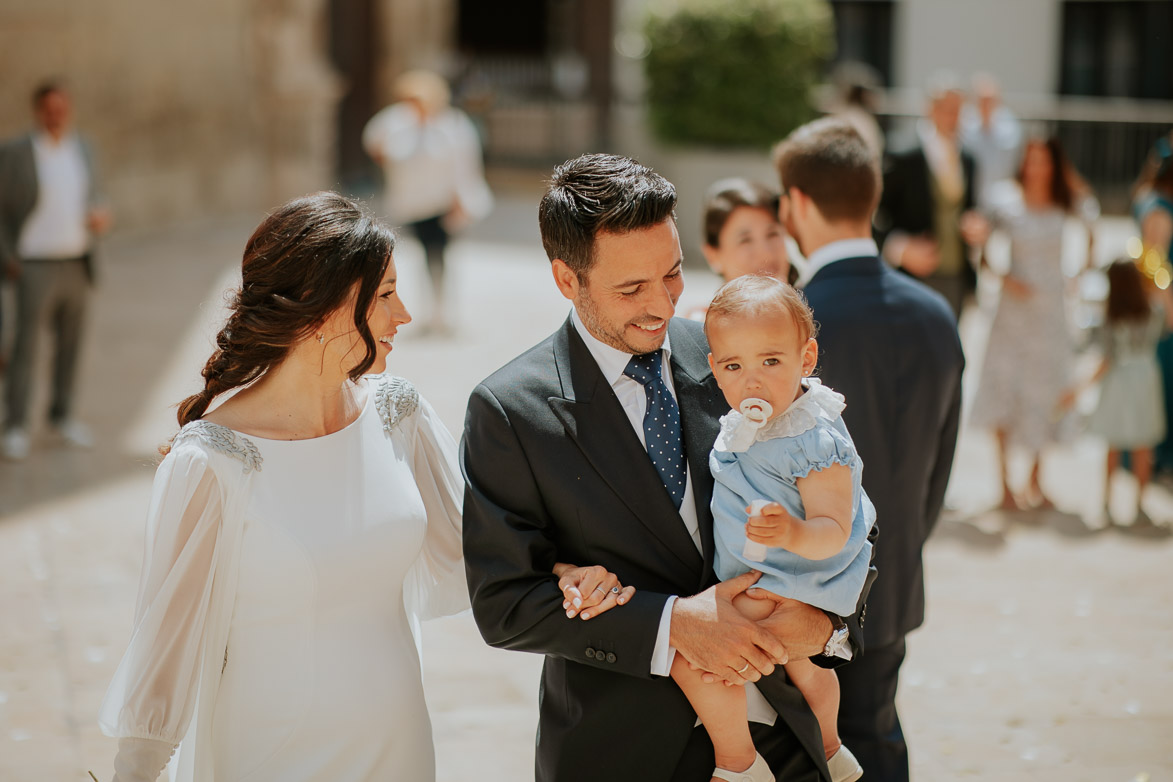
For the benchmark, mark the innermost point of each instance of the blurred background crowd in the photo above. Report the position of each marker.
(1028, 172)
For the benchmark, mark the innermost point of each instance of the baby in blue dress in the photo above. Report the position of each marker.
(787, 501)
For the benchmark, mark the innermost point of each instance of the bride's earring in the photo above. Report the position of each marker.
(321, 338)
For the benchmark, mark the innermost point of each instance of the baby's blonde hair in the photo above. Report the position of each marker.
(757, 294)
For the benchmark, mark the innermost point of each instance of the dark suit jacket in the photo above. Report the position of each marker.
(889, 344)
(906, 203)
(555, 472)
(18, 194)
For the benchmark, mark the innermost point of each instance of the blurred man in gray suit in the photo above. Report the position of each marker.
(49, 216)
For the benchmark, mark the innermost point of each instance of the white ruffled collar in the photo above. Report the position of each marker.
(738, 433)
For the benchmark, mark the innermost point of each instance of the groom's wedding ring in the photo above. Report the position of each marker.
(600, 589)
(744, 668)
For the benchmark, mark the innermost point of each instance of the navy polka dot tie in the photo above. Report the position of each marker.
(661, 424)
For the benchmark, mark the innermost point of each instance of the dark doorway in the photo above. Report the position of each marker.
(536, 76)
(520, 27)
(863, 33)
(352, 50)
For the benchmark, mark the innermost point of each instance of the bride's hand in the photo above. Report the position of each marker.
(590, 591)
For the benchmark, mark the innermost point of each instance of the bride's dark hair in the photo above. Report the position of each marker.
(300, 265)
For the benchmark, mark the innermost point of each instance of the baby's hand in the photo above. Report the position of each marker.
(771, 527)
(590, 591)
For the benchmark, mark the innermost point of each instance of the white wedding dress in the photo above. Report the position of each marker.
(276, 634)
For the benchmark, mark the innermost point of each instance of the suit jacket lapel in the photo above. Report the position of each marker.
(701, 404)
(594, 419)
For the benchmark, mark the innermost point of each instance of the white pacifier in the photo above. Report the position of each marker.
(756, 411)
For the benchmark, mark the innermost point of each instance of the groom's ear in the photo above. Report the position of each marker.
(565, 278)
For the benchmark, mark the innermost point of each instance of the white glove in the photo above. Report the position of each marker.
(141, 760)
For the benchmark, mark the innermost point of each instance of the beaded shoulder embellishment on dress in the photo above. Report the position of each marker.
(222, 439)
(395, 399)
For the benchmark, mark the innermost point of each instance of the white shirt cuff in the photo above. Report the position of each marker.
(663, 652)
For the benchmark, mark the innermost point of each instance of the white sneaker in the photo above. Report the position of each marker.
(16, 445)
(75, 433)
(843, 766)
(758, 772)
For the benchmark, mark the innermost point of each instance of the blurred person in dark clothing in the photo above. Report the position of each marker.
(50, 214)
(433, 171)
(925, 221)
(1153, 209)
(889, 344)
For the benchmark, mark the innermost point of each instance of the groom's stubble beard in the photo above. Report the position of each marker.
(601, 330)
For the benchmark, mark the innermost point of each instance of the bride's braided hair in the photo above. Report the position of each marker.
(302, 263)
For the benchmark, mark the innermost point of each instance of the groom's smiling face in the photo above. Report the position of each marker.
(629, 293)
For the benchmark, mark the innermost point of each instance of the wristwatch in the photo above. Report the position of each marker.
(837, 644)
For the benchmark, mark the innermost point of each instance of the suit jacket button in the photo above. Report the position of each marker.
(610, 657)
(600, 655)
(590, 652)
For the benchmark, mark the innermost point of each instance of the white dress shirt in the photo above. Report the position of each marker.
(633, 398)
(56, 228)
(837, 251)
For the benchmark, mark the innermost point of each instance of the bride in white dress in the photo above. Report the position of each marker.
(296, 533)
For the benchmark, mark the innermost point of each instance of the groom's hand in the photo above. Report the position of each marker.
(714, 636)
(803, 629)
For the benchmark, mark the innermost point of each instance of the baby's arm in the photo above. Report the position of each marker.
(827, 497)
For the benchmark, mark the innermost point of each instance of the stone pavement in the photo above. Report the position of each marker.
(1046, 654)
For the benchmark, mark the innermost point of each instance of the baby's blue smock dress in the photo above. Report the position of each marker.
(750, 464)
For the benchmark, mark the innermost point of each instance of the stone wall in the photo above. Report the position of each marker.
(194, 108)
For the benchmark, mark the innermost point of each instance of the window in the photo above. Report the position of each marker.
(1117, 48)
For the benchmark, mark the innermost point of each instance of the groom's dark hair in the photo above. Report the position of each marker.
(600, 193)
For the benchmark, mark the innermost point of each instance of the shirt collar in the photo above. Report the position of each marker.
(42, 139)
(611, 361)
(839, 251)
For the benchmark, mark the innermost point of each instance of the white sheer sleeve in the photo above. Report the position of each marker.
(141, 760)
(435, 585)
(154, 690)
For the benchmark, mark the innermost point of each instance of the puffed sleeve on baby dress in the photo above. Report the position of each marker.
(150, 702)
(435, 586)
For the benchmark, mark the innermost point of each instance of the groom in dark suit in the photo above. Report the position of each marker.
(592, 449)
(889, 344)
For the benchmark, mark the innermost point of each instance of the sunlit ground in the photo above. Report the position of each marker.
(1047, 653)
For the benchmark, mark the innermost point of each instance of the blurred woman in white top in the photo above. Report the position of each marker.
(433, 172)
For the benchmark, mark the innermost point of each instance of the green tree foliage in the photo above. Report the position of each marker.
(734, 72)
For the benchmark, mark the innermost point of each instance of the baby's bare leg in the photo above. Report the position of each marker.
(722, 712)
(819, 686)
